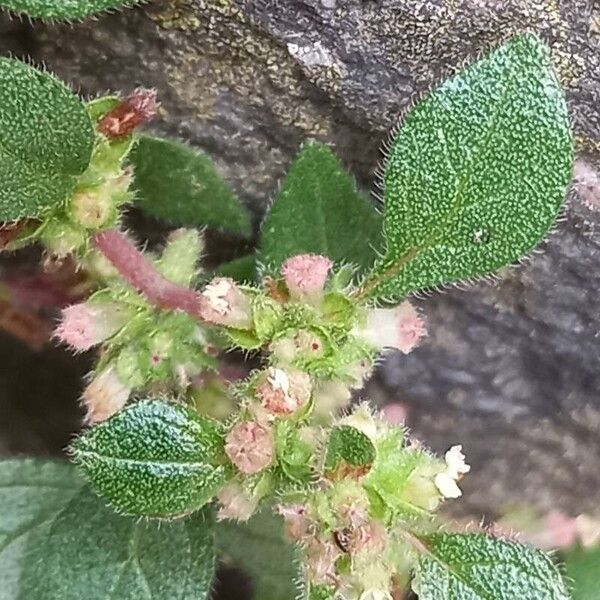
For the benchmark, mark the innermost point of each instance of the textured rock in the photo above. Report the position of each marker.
(511, 371)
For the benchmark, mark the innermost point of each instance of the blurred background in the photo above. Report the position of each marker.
(511, 371)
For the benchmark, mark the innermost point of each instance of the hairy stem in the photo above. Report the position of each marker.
(141, 274)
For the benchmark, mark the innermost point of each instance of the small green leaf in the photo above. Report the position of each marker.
(319, 210)
(46, 140)
(182, 186)
(260, 549)
(477, 567)
(242, 270)
(582, 570)
(59, 541)
(477, 174)
(348, 450)
(155, 458)
(64, 9)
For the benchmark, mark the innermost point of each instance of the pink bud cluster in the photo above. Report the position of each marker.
(305, 276)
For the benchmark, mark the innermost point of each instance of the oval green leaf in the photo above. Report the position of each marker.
(58, 540)
(155, 458)
(46, 140)
(181, 186)
(319, 210)
(477, 567)
(477, 174)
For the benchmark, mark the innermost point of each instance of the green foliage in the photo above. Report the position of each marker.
(47, 140)
(59, 541)
(477, 567)
(181, 186)
(583, 572)
(155, 458)
(348, 448)
(319, 210)
(64, 9)
(260, 550)
(477, 174)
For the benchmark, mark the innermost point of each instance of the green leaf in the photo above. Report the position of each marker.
(260, 550)
(319, 210)
(155, 458)
(181, 186)
(348, 450)
(46, 140)
(477, 174)
(582, 569)
(477, 567)
(242, 270)
(64, 9)
(59, 542)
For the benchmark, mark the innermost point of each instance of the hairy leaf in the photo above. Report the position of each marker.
(64, 9)
(319, 210)
(59, 541)
(477, 567)
(477, 173)
(261, 551)
(348, 451)
(155, 458)
(582, 569)
(181, 186)
(46, 140)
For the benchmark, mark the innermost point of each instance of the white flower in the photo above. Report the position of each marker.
(456, 467)
(455, 461)
(216, 293)
(446, 484)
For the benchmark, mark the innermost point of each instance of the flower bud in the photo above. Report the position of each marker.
(104, 396)
(249, 446)
(401, 327)
(85, 325)
(284, 392)
(178, 261)
(93, 208)
(134, 110)
(226, 304)
(305, 276)
(236, 503)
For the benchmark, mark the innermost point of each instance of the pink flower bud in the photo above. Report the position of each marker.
(305, 275)
(236, 503)
(104, 396)
(284, 392)
(401, 327)
(249, 446)
(85, 325)
(224, 303)
(134, 110)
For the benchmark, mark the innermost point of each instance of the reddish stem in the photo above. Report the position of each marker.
(141, 274)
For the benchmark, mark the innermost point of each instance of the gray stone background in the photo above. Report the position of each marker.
(511, 371)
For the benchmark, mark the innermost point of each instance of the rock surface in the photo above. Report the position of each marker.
(511, 371)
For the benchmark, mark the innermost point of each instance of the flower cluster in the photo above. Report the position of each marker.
(348, 487)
